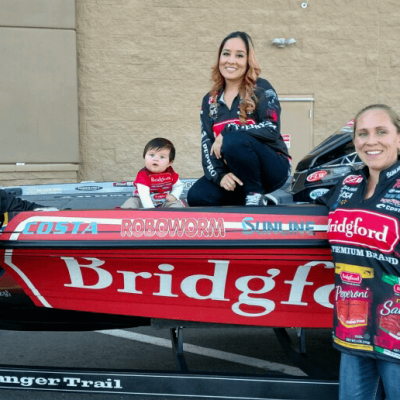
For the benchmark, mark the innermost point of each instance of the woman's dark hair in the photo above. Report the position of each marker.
(388, 110)
(160, 144)
(246, 88)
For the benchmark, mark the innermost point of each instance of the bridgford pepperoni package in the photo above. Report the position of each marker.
(353, 300)
(387, 336)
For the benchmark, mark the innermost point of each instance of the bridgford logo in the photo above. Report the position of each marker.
(363, 228)
(350, 277)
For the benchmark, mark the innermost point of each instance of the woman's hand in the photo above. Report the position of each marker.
(216, 147)
(229, 181)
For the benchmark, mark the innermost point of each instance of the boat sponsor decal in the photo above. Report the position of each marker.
(128, 225)
(161, 227)
(353, 180)
(250, 226)
(318, 193)
(123, 184)
(363, 228)
(60, 228)
(88, 188)
(87, 195)
(62, 381)
(242, 290)
(317, 176)
(43, 190)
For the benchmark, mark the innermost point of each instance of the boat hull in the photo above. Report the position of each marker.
(262, 267)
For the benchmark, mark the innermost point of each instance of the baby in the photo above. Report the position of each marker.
(157, 184)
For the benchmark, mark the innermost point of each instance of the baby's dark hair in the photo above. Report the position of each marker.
(160, 144)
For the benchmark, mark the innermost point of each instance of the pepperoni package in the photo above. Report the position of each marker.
(387, 337)
(353, 300)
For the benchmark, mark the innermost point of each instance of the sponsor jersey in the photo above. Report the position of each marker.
(263, 124)
(160, 184)
(364, 236)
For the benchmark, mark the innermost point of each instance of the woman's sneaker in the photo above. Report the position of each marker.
(256, 199)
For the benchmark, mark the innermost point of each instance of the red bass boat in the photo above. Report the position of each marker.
(101, 268)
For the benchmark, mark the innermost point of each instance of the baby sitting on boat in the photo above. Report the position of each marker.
(157, 184)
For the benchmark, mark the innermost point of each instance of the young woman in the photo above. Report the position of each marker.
(243, 153)
(364, 233)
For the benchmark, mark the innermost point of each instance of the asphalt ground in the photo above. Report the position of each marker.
(223, 351)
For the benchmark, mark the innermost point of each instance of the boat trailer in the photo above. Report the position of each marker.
(319, 383)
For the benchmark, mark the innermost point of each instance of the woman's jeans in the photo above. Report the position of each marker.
(259, 167)
(365, 378)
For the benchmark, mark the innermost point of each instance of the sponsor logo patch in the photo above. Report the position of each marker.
(88, 188)
(318, 193)
(353, 180)
(317, 176)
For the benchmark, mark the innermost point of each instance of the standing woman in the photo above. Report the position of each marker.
(243, 153)
(364, 231)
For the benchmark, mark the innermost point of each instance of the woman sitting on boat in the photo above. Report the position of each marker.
(243, 153)
(364, 233)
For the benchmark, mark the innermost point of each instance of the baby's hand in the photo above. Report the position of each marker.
(170, 197)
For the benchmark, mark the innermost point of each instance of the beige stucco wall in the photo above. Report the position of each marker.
(144, 66)
(38, 92)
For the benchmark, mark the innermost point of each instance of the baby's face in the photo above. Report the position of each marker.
(157, 160)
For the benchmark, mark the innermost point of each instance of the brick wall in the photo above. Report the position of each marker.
(144, 66)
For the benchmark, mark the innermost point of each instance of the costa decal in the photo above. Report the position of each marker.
(60, 228)
(363, 228)
(88, 188)
(318, 193)
(316, 176)
(173, 227)
(350, 277)
(353, 180)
